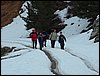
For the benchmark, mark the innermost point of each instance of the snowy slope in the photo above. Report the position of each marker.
(31, 62)
(74, 24)
(80, 57)
(76, 28)
(16, 29)
(69, 60)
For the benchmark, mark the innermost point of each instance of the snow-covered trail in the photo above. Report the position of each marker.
(74, 60)
(27, 63)
(54, 62)
(85, 60)
(59, 59)
(69, 59)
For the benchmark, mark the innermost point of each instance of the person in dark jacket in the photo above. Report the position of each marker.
(40, 39)
(34, 37)
(61, 40)
(45, 36)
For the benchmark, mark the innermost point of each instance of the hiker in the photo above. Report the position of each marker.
(61, 40)
(40, 39)
(53, 37)
(45, 36)
(34, 37)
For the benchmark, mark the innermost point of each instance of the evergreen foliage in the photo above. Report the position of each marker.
(40, 15)
(85, 9)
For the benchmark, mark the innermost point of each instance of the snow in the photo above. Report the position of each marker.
(61, 14)
(32, 63)
(12, 27)
(75, 29)
(67, 1)
(68, 64)
(85, 55)
(88, 49)
(78, 23)
(17, 26)
(97, 17)
(80, 57)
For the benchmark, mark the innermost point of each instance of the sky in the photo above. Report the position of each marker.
(80, 56)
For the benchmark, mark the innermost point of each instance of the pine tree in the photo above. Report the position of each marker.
(40, 15)
(85, 9)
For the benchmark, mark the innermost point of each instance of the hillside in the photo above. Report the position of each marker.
(9, 10)
(80, 56)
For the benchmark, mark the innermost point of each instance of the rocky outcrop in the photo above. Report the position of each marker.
(95, 32)
(5, 50)
(9, 10)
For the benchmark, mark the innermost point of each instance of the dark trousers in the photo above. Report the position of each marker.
(41, 45)
(44, 43)
(34, 43)
(53, 43)
(62, 45)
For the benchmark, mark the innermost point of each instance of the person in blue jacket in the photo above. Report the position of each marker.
(40, 39)
(45, 36)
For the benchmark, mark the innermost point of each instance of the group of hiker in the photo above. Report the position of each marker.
(43, 36)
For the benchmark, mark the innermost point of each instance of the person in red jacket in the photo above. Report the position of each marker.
(34, 38)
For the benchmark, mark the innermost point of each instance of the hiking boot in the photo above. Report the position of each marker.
(35, 47)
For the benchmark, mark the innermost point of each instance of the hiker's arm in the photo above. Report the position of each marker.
(64, 37)
(50, 36)
(30, 34)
